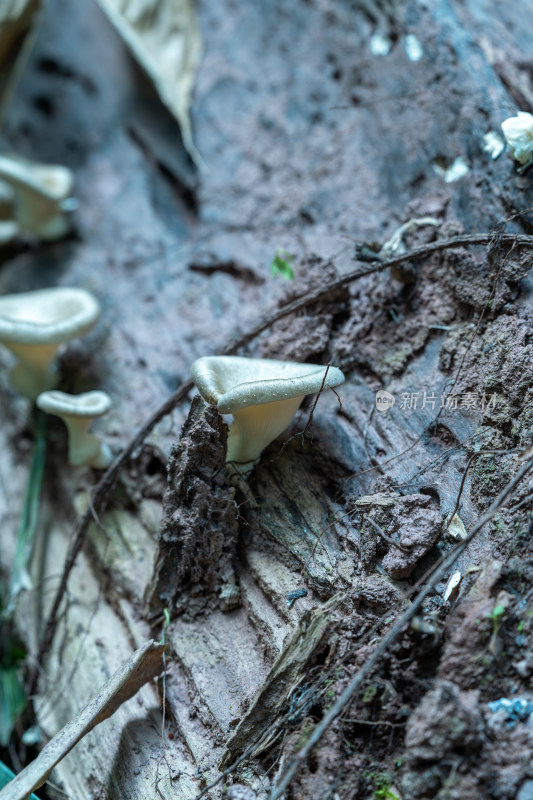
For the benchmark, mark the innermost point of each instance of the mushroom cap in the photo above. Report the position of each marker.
(52, 180)
(232, 382)
(87, 405)
(47, 316)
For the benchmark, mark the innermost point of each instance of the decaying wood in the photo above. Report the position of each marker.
(287, 672)
(199, 529)
(109, 478)
(286, 167)
(142, 666)
(438, 573)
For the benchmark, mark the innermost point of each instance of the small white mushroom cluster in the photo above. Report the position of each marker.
(262, 395)
(36, 199)
(34, 326)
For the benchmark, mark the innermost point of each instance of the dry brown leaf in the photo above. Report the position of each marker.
(165, 39)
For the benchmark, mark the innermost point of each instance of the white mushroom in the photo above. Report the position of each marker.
(9, 231)
(33, 325)
(518, 133)
(42, 196)
(77, 412)
(262, 395)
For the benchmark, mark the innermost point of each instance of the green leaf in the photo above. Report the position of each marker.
(281, 265)
(497, 612)
(166, 613)
(20, 578)
(7, 775)
(12, 702)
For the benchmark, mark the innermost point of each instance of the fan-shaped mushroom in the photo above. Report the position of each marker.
(42, 196)
(34, 324)
(263, 396)
(77, 412)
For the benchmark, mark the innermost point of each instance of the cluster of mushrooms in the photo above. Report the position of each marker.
(34, 326)
(262, 395)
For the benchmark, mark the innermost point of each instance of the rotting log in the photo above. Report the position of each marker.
(140, 242)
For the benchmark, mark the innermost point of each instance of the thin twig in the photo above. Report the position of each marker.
(311, 413)
(305, 431)
(470, 460)
(321, 292)
(301, 756)
(376, 722)
(388, 539)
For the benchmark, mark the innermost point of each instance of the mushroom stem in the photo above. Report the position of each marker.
(254, 427)
(35, 371)
(84, 447)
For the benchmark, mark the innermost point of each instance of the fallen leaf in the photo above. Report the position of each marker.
(16, 22)
(143, 665)
(165, 40)
(456, 528)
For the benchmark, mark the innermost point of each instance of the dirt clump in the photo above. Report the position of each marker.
(418, 527)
